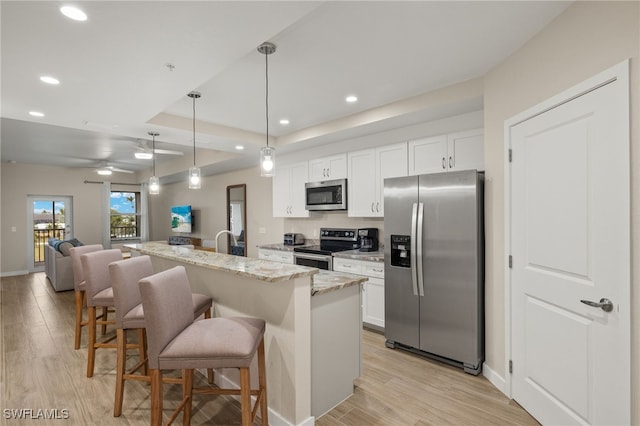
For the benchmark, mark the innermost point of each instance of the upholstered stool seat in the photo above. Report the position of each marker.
(214, 343)
(125, 275)
(176, 341)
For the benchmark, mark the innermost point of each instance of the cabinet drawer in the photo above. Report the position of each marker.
(275, 256)
(373, 269)
(284, 257)
(347, 265)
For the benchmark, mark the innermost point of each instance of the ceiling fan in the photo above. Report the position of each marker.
(104, 168)
(145, 152)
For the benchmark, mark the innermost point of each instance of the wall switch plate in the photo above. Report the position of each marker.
(262, 230)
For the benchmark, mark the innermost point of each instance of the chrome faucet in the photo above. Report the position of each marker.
(224, 231)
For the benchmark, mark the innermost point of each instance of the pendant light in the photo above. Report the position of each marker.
(154, 182)
(267, 153)
(194, 172)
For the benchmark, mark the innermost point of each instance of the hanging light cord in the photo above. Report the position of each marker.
(194, 131)
(266, 100)
(153, 148)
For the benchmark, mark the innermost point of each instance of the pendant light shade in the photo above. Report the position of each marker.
(267, 161)
(194, 172)
(267, 153)
(154, 182)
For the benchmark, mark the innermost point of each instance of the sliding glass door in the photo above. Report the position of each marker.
(49, 217)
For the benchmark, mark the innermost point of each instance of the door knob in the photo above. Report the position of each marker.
(604, 304)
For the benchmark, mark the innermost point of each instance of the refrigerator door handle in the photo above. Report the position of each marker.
(414, 218)
(419, 249)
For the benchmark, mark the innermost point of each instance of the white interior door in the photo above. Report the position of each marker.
(570, 241)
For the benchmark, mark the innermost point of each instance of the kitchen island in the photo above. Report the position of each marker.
(313, 333)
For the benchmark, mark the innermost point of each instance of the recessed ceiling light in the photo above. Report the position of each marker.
(351, 98)
(143, 155)
(239, 147)
(73, 13)
(284, 121)
(36, 113)
(49, 80)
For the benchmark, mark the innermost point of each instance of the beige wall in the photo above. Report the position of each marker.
(587, 38)
(22, 180)
(209, 204)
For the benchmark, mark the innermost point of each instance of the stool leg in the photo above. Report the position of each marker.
(79, 303)
(142, 349)
(105, 317)
(262, 381)
(156, 397)
(187, 395)
(121, 356)
(207, 314)
(245, 396)
(91, 311)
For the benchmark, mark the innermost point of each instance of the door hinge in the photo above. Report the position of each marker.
(510, 155)
(510, 367)
(510, 261)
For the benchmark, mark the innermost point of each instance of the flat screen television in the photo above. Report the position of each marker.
(181, 219)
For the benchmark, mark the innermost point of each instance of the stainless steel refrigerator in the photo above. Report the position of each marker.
(434, 266)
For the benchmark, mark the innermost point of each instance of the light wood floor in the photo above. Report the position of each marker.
(40, 370)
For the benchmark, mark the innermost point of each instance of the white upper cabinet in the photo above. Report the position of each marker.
(367, 170)
(427, 155)
(466, 150)
(327, 168)
(455, 151)
(288, 190)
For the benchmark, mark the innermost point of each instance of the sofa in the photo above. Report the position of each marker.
(57, 268)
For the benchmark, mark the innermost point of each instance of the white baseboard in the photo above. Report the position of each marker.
(494, 378)
(13, 273)
(275, 419)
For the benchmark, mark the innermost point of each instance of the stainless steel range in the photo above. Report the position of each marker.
(332, 240)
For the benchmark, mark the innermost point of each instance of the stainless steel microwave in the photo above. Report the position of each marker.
(326, 195)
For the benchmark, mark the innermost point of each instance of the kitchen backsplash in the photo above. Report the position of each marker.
(310, 226)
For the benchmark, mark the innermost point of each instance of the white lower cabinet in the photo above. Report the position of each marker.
(275, 255)
(372, 290)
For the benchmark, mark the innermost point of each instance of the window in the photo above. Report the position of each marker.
(125, 215)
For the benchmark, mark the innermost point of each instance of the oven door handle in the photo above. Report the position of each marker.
(312, 256)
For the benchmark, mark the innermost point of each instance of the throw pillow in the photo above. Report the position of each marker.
(64, 248)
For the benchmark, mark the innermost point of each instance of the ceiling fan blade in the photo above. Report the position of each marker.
(115, 169)
(168, 151)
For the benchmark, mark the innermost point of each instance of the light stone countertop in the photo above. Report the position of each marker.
(370, 256)
(263, 270)
(283, 247)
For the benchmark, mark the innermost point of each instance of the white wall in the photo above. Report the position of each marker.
(587, 38)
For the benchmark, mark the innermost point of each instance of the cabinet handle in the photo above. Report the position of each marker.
(328, 172)
(450, 162)
(377, 270)
(378, 206)
(373, 207)
(444, 166)
(324, 172)
(346, 266)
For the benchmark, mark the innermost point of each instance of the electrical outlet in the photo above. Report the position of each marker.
(262, 230)
(13, 229)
